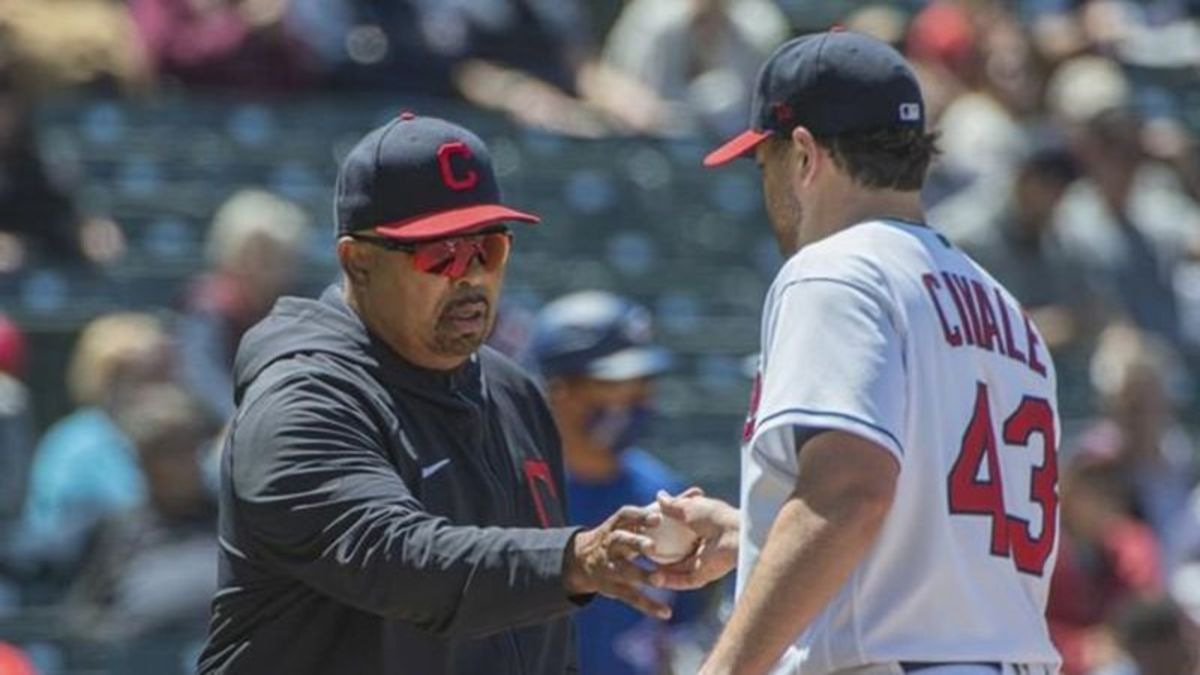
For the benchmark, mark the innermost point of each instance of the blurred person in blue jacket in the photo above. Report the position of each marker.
(85, 467)
(596, 354)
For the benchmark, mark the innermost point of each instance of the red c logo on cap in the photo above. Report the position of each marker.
(445, 153)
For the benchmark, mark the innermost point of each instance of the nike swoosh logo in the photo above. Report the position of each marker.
(428, 471)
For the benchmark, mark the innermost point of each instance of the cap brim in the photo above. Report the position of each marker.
(739, 146)
(631, 364)
(453, 221)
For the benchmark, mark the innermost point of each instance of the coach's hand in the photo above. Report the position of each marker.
(717, 523)
(601, 560)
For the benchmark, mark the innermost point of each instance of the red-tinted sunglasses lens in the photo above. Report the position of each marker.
(453, 257)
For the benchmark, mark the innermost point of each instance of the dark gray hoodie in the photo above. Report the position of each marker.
(377, 517)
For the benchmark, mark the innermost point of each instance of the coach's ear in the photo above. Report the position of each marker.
(354, 260)
(807, 156)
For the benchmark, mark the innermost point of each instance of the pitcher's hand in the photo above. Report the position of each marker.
(717, 523)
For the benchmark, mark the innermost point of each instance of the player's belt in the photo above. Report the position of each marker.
(922, 666)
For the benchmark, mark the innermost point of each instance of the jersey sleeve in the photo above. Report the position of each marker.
(833, 360)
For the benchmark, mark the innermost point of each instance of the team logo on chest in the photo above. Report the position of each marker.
(541, 486)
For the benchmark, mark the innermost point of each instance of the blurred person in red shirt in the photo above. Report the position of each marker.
(1138, 379)
(226, 44)
(1106, 557)
(13, 661)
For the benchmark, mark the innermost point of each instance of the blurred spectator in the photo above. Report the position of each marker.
(1020, 247)
(1128, 220)
(596, 354)
(38, 216)
(883, 22)
(1132, 373)
(1158, 638)
(227, 44)
(699, 56)
(1152, 33)
(255, 246)
(53, 45)
(13, 348)
(531, 59)
(84, 466)
(13, 661)
(1184, 558)
(153, 568)
(16, 432)
(414, 45)
(995, 82)
(1105, 558)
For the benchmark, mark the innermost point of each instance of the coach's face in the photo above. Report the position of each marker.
(429, 319)
(777, 161)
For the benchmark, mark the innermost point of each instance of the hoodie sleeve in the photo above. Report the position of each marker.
(313, 487)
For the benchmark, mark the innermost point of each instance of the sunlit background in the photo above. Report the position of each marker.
(166, 171)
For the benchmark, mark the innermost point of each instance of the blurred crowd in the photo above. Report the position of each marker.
(1070, 168)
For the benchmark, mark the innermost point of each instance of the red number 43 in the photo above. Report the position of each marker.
(971, 494)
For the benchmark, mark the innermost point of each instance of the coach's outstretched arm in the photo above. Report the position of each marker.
(843, 493)
(328, 507)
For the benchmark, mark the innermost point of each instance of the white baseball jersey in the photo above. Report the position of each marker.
(886, 331)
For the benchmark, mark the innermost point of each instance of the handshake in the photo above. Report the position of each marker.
(604, 560)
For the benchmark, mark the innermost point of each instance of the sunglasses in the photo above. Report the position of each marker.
(452, 257)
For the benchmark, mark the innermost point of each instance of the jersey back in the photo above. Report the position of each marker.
(887, 331)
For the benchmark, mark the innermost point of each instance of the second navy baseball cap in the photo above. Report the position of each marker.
(596, 334)
(419, 178)
(829, 83)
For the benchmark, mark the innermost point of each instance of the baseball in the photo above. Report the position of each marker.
(673, 540)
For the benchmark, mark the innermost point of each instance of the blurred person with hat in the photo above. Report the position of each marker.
(391, 489)
(596, 354)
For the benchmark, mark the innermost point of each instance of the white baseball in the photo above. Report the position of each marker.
(673, 540)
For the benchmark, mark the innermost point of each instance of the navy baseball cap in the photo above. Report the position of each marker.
(598, 335)
(419, 178)
(829, 83)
